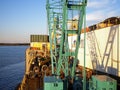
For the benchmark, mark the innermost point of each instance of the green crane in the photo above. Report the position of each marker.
(62, 14)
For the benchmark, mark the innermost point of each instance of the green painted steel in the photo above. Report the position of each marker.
(61, 14)
(84, 69)
(53, 83)
(102, 82)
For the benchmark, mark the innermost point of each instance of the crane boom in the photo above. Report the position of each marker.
(61, 15)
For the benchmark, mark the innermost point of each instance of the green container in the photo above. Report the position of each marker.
(39, 38)
(102, 82)
(52, 83)
(46, 38)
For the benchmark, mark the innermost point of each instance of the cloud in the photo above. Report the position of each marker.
(97, 11)
(100, 4)
(100, 14)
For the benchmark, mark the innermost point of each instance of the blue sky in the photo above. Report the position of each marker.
(21, 18)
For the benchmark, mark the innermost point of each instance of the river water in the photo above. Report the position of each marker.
(12, 66)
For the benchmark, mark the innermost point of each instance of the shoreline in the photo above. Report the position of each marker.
(14, 44)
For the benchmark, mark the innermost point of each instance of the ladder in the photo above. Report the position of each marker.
(108, 47)
(92, 49)
(117, 61)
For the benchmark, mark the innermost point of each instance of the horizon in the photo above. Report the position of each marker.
(21, 18)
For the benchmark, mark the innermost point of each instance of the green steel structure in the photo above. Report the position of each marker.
(102, 82)
(61, 16)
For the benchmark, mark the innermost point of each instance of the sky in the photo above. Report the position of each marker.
(21, 18)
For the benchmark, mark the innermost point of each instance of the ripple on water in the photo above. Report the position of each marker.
(11, 75)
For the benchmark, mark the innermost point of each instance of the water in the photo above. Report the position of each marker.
(12, 66)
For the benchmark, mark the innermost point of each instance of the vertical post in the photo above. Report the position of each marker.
(118, 46)
(50, 36)
(84, 70)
